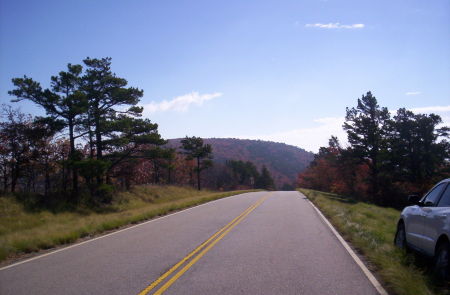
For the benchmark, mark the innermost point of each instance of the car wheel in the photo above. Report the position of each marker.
(400, 236)
(442, 261)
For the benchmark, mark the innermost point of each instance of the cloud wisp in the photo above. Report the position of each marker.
(431, 109)
(409, 93)
(335, 26)
(310, 138)
(180, 103)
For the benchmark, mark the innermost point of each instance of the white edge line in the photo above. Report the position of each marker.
(116, 232)
(355, 257)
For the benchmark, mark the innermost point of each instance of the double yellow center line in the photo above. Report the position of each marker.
(201, 250)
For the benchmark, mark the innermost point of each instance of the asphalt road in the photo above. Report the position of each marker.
(279, 245)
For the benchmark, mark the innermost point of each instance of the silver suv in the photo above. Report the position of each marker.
(425, 226)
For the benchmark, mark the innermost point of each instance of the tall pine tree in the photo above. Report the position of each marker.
(364, 125)
(64, 103)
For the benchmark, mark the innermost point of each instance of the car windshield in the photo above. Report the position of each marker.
(445, 199)
(432, 197)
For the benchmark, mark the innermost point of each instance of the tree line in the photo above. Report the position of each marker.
(91, 141)
(246, 174)
(388, 157)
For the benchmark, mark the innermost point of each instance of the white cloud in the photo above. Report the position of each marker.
(335, 26)
(310, 139)
(432, 109)
(413, 93)
(443, 111)
(180, 103)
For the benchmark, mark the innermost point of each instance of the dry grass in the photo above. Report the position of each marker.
(371, 230)
(22, 231)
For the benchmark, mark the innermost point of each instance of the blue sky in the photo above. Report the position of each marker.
(273, 70)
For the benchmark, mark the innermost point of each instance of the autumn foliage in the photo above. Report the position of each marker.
(387, 158)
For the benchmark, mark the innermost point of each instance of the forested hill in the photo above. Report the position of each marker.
(283, 161)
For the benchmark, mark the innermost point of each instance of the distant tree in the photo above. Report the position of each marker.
(170, 163)
(265, 180)
(326, 160)
(194, 148)
(4, 160)
(244, 173)
(62, 152)
(43, 155)
(163, 161)
(366, 132)
(15, 145)
(159, 160)
(221, 177)
(25, 148)
(336, 170)
(288, 187)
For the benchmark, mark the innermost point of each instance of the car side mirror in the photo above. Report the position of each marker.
(414, 199)
(428, 204)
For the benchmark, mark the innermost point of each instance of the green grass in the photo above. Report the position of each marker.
(22, 231)
(371, 229)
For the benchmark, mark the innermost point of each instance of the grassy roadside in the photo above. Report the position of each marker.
(371, 230)
(22, 231)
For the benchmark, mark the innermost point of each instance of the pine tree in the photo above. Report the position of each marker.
(366, 132)
(194, 148)
(64, 103)
(111, 121)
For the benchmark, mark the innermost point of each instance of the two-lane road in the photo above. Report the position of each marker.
(255, 243)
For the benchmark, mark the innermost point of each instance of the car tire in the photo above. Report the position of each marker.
(442, 261)
(400, 236)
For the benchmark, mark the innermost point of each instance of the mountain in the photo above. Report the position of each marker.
(283, 161)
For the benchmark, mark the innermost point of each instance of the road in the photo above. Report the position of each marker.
(256, 243)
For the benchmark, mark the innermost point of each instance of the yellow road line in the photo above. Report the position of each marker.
(176, 266)
(200, 255)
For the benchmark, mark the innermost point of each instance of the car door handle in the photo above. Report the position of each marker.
(441, 216)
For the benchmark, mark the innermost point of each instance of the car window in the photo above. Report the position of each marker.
(445, 199)
(434, 195)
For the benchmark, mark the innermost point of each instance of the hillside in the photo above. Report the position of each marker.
(283, 161)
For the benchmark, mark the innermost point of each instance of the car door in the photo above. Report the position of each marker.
(413, 223)
(435, 219)
(425, 241)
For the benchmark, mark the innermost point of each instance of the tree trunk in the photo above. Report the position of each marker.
(72, 158)
(98, 141)
(64, 177)
(91, 139)
(5, 183)
(14, 177)
(127, 182)
(47, 178)
(5, 178)
(198, 173)
(156, 172)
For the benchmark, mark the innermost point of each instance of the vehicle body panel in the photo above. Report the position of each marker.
(426, 222)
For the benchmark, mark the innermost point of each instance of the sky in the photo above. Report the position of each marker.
(280, 70)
